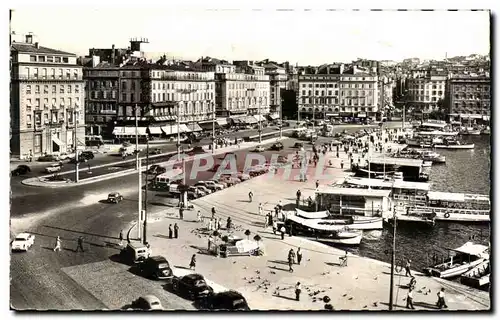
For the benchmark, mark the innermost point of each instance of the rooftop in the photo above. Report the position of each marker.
(353, 191)
(31, 48)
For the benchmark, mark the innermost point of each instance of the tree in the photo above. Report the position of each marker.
(216, 233)
(225, 238)
(247, 233)
(257, 238)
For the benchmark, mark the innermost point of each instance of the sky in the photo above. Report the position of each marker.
(304, 37)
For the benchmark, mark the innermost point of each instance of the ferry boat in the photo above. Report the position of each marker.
(463, 259)
(336, 221)
(435, 128)
(453, 144)
(479, 276)
(448, 206)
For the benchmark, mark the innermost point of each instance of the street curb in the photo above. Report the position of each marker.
(36, 182)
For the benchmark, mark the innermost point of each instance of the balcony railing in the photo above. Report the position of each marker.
(37, 78)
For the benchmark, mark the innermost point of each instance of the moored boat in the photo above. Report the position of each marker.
(486, 130)
(478, 276)
(465, 258)
(322, 220)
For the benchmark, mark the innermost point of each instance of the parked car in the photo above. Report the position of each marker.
(66, 156)
(48, 158)
(156, 169)
(277, 146)
(148, 302)
(89, 155)
(222, 183)
(155, 151)
(259, 149)
(202, 188)
(298, 145)
(211, 185)
(135, 252)
(243, 176)
(20, 170)
(229, 180)
(228, 300)
(196, 150)
(192, 286)
(198, 191)
(191, 195)
(22, 242)
(53, 168)
(156, 267)
(282, 159)
(115, 197)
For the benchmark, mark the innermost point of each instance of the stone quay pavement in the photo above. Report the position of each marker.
(265, 280)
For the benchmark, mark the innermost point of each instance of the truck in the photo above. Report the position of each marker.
(127, 150)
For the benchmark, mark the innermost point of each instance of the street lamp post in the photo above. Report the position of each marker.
(393, 261)
(146, 194)
(213, 127)
(281, 118)
(136, 139)
(77, 160)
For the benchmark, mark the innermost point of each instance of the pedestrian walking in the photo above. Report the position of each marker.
(291, 254)
(260, 209)
(441, 303)
(219, 223)
(266, 221)
(283, 230)
(409, 299)
(198, 216)
(341, 164)
(181, 211)
(250, 196)
(192, 264)
(176, 231)
(280, 206)
(58, 244)
(211, 224)
(213, 212)
(290, 264)
(317, 184)
(121, 238)
(271, 218)
(298, 290)
(299, 256)
(80, 244)
(275, 226)
(407, 268)
(228, 223)
(210, 241)
(170, 232)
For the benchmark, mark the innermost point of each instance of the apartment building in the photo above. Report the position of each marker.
(332, 91)
(426, 91)
(469, 98)
(47, 100)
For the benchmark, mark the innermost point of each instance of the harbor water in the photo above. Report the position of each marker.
(466, 171)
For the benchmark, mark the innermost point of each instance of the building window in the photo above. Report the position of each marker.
(53, 74)
(77, 88)
(41, 58)
(65, 59)
(61, 72)
(28, 119)
(68, 74)
(75, 73)
(32, 58)
(61, 89)
(37, 89)
(58, 59)
(54, 102)
(50, 59)
(37, 103)
(69, 88)
(124, 96)
(132, 97)
(124, 86)
(38, 118)
(45, 89)
(62, 101)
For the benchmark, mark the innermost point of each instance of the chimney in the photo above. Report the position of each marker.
(36, 45)
(113, 54)
(29, 38)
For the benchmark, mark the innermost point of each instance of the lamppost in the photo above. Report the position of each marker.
(213, 127)
(136, 139)
(393, 260)
(77, 159)
(146, 194)
(281, 118)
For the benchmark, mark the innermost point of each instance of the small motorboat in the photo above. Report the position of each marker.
(427, 163)
(463, 259)
(486, 130)
(478, 276)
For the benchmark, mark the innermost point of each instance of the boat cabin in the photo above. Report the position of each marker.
(458, 200)
(354, 201)
(411, 168)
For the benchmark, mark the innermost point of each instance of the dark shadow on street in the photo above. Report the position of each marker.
(285, 297)
(201, 250)
(271, 238)
(396, 305)
(278, 268)
(162, 236)
(182, 267)
(118, 259)
(289, 207)
(81, 232)
(244, 201)
(278, 261)
(334, 264)
(425, 305)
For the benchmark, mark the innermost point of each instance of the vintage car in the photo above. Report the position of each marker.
(156, 169)
(115, 197)
(48, 158)
(227, 300)
(20, 170)
(148, 302)
(236, 246)
(210, 185)
(155, 151)
(259, 149)
(192, 286)
(277, 146)
(135, 252)
(156, 267)
(53, 168)
(22, 242)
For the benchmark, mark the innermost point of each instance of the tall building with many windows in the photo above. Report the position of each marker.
(426, 91)
(47, 100)
(469, 98)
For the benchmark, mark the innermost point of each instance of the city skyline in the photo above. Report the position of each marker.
(181, 33)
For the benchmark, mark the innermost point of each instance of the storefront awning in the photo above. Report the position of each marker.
(184, 128)
(129, 131)
(207, 125)
(273, 116)
(194, 127)
(250, 120)
(169, 129)
(57, 141)
(155, 130)
(222, 121)
(259, 116)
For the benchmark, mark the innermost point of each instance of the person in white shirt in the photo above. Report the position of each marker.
(260, 209)
(441, 303)
(298, 290)
(409, 299)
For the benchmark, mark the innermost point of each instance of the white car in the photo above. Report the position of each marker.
(56, 167)
(259, 149)
(211, 185)
(23, 242)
